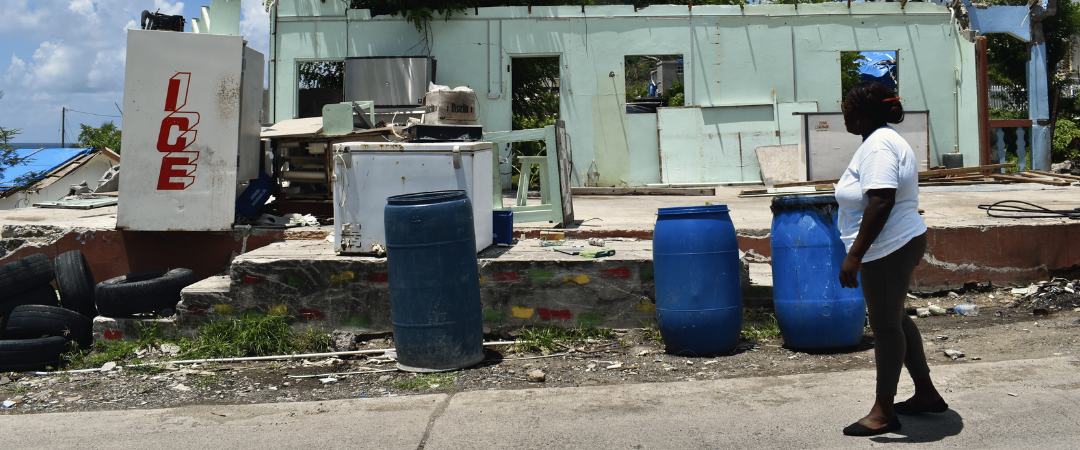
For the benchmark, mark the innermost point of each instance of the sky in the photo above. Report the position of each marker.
(70, 53)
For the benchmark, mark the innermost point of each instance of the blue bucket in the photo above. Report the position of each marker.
(696, 270)
(813, 311)
(434, 281)
(503, 226)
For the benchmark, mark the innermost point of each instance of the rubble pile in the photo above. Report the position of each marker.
(1054, 295)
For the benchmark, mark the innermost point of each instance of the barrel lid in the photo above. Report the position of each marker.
(420, 198)
(802, 201)
(692, 210)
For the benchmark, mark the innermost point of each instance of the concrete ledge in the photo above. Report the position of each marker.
(129, 329)
(520, 285)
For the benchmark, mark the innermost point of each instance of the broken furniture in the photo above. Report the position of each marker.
(558, 212)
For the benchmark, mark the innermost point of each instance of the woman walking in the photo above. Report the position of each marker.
(885, 239)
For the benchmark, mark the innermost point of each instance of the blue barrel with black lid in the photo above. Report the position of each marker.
(812, 309)
(696, 271)
(434, 281)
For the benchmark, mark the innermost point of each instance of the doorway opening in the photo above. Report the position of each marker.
(534, 104)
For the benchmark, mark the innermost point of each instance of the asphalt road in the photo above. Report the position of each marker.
(1011, 404)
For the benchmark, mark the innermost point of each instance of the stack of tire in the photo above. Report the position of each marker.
(34, 329)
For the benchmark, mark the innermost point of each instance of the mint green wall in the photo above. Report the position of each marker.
(734, 61)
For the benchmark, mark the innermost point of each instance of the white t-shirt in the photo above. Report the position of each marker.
(883, 161)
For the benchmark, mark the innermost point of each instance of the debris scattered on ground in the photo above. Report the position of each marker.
(954, 354)
(1051, 296)
(536, 376)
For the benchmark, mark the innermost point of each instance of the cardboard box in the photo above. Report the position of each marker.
(450, 107)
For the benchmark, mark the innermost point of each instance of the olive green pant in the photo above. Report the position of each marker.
(897, 340)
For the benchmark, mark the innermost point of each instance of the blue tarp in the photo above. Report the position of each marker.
(880, 68)
(46, 160)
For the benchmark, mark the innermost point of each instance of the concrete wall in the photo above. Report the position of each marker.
(739, 63)
(90, 172)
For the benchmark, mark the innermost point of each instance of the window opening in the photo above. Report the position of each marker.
(653, 81)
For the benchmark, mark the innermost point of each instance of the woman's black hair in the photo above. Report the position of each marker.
(874, 100)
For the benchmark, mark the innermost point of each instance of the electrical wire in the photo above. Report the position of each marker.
(1035, 212)
(93, 114)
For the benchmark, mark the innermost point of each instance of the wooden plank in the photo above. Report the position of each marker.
(1063, 176)
(805, 183)
(959, 178)
(642, 191)
(961, 183)
(562, 155)
(1001, 176)
(964, 170)
(925, 174)
(1010, 123)
(535, 134)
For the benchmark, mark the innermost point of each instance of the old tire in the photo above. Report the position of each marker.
(142, 293)
(31, 354)
(35, 321)
(75, 283)
(42, 294)
(24, 274)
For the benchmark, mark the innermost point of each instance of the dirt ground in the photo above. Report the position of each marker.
(997, 333)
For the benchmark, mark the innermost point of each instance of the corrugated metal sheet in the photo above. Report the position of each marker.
(47, 159)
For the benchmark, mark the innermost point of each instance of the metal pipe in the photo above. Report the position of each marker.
(303, 176)
(259, 358)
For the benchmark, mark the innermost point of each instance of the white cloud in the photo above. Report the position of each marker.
(171, 9)
(71, 53)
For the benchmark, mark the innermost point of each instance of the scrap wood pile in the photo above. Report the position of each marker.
(1054, 295)
(937, 177)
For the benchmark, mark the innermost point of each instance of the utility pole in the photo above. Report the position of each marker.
(63, 112)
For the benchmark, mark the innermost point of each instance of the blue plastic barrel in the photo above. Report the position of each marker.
(696, 270)
(813, 311)
(434, 281)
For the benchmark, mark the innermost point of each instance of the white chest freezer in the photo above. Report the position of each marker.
(366, 173)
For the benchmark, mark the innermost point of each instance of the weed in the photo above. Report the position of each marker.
(64, 378)
(428, 381)
(101, 353)
(246, 336)
(206, 382)
(21, 388)
(314, 341)
(651, 330)
(90, 385)
(761, 326)
(150, 335)
(550, 337)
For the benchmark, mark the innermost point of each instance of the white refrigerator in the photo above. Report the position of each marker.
(366, 173)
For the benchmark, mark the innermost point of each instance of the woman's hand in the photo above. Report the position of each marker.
(849, 272)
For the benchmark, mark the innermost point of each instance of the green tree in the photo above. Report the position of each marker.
(105, 136)
(322, 74)
(849, 71)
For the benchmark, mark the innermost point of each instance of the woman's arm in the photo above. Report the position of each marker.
(878, 207)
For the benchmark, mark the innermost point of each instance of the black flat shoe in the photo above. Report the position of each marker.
(937, 407)
(858, 429)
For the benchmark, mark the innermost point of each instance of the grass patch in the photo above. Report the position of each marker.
(248, 335)
(549, 337)
(759, 326)
(427, 381)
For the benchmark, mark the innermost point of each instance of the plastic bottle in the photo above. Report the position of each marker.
(937, 310)
(967, 309)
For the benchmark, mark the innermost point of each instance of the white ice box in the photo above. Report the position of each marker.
(366, 173)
